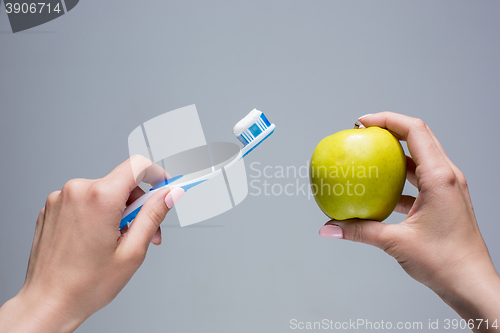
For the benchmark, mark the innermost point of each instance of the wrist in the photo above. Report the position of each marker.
(25, 313)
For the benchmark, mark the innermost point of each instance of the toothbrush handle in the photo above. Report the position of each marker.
(131, 211)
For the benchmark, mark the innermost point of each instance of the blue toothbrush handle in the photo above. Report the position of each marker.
(131, 215)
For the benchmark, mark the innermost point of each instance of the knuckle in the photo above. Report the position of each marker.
(461, 180)
(386, 113)
(53, 198)
(419, 124)
(41, 216)
(463, 183)
(101, 195)
(154, 216)
(99, 192)
(139, 161)
(137, 158)
(445, 177)
(74, 188)
(356, 233)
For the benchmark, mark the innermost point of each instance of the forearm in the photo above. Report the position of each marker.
(477, 299)
(21, 314)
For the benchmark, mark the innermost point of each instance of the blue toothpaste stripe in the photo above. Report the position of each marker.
(255, 130)
(257, 144)
(242, 139)
(264, 119)
(259, 124)
(262, 123)
(247, 135)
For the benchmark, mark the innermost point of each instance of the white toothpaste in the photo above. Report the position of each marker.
(246, 122)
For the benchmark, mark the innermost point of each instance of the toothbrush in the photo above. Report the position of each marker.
(251, 131)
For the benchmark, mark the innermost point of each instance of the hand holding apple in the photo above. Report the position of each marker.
(438, 243)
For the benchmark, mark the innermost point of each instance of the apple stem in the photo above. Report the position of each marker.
(356, 125)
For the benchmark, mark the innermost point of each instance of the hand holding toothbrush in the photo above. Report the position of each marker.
(81, 260)
(88, 249)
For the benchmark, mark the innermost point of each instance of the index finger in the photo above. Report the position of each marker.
(422, 147)
(128, 175)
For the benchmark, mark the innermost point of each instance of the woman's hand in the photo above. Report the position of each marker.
(439, 243)
(80, 260)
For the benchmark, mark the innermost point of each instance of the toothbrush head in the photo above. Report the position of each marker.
(252, 127)
(252, 130)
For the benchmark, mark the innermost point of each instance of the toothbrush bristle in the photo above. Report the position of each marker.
(259, 125)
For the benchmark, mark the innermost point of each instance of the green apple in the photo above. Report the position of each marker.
(358, 173)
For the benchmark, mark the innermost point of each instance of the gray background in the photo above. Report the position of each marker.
(72, 90)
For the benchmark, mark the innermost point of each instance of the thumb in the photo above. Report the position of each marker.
(149, 218)
(368, 232)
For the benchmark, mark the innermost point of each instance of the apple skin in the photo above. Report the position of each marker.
(340, 159)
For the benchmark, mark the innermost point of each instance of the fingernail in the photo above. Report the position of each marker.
(173, 196)
(330, 231)
(369, 114)
(156, 240)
